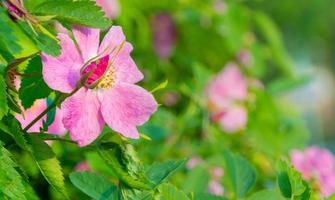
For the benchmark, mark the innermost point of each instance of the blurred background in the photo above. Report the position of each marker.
(283, 49)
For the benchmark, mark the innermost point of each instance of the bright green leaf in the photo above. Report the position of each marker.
(83, 12)
(170, 192)
(95, 186)
(48, 163)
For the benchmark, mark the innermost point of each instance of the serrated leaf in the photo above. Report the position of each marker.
(11, 183)
(83, 12)
(32, 83)
(47, 163)
(158, 172)
(112, 155)
(14, 129)
(241, 173)
(95, 186)
(170, 192)
(3, 98)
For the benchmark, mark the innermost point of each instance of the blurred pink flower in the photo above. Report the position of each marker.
(217, 172)
(225, 92)
(316, 163)
(110, 7)
(38, 107)
(193, 162)
(164, 35)
(215, 187)
(109, 94)
(82, 166)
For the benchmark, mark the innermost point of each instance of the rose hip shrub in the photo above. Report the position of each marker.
(150, 100)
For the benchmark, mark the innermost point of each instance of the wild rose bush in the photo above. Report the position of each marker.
(112, 99)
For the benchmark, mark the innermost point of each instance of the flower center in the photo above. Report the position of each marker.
(100, 73)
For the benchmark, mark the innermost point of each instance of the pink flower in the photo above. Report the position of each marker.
(82, 166)
(316, 163)
(225, 92)
(109, 94)
(215, 188)
(216, 172)
(38, 107)
(193, 162)
(164, 35)
(110, 7)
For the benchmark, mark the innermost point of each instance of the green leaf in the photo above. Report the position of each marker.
(11, 183)
(43, 39)
(266, 195)
(48, 163)
(14, 129)
(197, 180)
(84, 12)
(291, 183)
(128, 171)
(207, 196)
(33, 82)
(6, 33)
(158, 172)
(170, 192)
(95, 186)
(3, 98)
(241, 173)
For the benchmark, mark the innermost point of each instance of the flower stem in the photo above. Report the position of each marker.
(59, 99)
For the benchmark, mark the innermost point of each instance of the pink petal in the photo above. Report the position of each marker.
(126, 69)
(112, 40)
(234, 119)
(215, 188)
(298, 161)
(87, 40)
(82, 116)
(63, 73)
(126, 106)
(57, 126)
(30, 114)
(111, 7)
(229, 85)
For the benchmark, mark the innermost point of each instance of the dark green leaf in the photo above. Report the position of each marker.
(48, 163)
(32, 83)
(83, 12)
(95, 186)
(3, 98)
(291, 183)
(241, 173)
